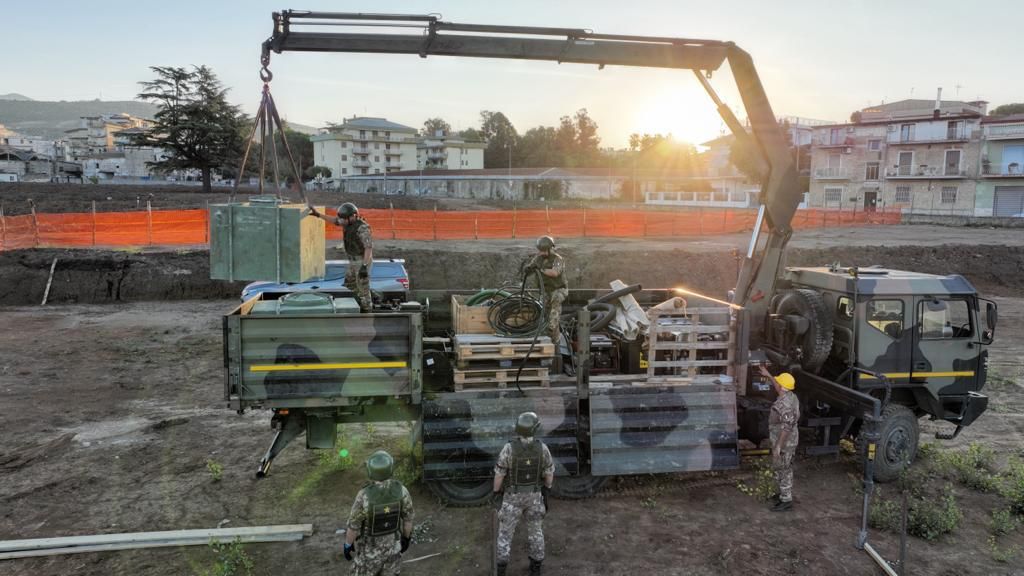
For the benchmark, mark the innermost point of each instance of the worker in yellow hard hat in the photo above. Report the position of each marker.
(785, 435)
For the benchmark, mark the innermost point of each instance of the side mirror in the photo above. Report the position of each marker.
(991, 315)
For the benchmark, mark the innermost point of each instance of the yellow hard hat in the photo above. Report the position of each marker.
(786, 380)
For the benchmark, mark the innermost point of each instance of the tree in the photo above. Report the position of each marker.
(196, 126)
(539, 148)
(501, 136)
(314, 171)
(1008, 109)
(434, 125)
(471, 134)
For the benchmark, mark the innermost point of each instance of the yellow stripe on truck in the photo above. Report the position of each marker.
(342, 366)
(920, 374)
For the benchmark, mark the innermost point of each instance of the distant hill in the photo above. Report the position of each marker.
(51, 119)
(15, 96)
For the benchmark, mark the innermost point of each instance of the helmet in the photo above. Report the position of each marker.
(786, 380)
(527, 424)
(545, 243)
(347, 209)
(380, 466)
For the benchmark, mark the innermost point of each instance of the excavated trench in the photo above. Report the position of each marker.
(95, 276)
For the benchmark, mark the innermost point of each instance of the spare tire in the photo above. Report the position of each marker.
(816, 343)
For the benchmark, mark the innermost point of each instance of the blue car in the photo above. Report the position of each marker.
(388, 277)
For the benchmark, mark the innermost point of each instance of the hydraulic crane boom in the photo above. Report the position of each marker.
(780, 193)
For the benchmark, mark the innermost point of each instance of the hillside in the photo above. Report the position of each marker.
(51, 119)
(15, 96)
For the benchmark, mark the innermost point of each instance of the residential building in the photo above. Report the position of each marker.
(37, 145)
(365, 146)
(95, 135)
(1000, 191)
(442, 151)
(918, 156)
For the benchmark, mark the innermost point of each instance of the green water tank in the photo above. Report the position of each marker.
(265, 240)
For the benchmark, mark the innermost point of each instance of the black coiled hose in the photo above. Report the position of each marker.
(517, 316)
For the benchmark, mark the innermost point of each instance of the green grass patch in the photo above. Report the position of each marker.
(762, 485)
(1011, 485)
(216, 469)
(928, 515)
(973, 467)
(231, 560)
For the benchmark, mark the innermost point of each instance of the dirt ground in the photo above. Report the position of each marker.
(112, 412)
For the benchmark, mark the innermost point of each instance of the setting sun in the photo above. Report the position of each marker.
(680, 107)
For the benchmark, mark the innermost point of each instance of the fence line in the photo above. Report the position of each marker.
(191, 227)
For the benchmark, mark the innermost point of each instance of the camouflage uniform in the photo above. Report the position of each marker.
(522, 497)
(358, 237)
(556, 290)
(784, 415)
(378, 555)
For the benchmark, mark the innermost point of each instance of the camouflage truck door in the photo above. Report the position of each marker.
(946, 351)
(885, 336)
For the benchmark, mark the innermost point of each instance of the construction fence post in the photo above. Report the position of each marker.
(35, 223)
(149, 222)
(206, 224)
(547, 218)
(513, 221)
(645, 223)
(476, 227)
(391, 207)
(435, 221)
(3, 228)
(94, 222)
(584, 221)
(700, 219)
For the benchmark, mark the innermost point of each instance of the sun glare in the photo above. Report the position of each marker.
(684, 111)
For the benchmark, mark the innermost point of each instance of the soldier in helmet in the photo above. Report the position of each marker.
(381, 519)
(785, 435)
(359, 249)
(551, 265)
(524, 473)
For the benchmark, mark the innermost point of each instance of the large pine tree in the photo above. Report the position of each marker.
(196, 126)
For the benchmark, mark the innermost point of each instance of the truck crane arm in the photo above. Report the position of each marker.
(303, 31)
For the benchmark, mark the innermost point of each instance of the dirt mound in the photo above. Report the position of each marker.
(95, 276)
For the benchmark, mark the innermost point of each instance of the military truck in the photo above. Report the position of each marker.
(872, 350)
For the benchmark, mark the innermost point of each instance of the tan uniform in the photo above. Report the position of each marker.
(358, 237)
(556, 290)
(378, 556)
(522, 499)
(785, 415)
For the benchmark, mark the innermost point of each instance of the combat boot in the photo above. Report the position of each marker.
(782, 506)
(501, 569)
(535, 567)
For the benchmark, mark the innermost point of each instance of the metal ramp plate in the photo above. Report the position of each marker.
(463, 432)
(671, 428)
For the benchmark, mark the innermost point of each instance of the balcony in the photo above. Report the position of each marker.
(901, 138)
(834, 142)
(392, 152)
(832, 173)
(1011, 170)
(391, 165)
(1005, 132)
(363, 151)
(361, 163)
(436, 156)
(924, 172)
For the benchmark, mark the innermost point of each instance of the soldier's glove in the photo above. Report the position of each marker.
(350, 549)
(406, 540)
(496, 500)
(363, 272)
(544, 491)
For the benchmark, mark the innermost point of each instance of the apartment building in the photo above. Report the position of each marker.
(918, 156)
(364, 146)
(95, 134)
(445, 152)
(1000, 190)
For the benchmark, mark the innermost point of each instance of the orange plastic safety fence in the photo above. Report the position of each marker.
(190, 227)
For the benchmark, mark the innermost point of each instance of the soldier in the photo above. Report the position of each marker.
(552, 266)
(782, 426)
(381, 518)
(358, 248)
(532, 473)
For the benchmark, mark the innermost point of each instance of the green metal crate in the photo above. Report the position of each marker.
(264, 240)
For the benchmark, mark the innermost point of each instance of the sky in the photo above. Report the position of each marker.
(819, 59)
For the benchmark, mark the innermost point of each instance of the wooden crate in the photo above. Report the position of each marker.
(487, 379)
(689, 342)
(469, 319)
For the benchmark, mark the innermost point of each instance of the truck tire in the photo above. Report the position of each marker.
(816, 343)
(897, 442)
(463, 493)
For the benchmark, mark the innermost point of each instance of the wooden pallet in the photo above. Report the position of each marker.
(483, 379)
(503, 363)
(472, 347)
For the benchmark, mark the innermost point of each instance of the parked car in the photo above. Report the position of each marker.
(388, 278)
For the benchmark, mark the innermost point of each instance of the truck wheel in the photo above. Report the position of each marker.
(816, 343)
(463, 493)
(897, 442)
(577, 487)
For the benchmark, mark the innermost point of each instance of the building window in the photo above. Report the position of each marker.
(376, 145)
(344, 157)
(374, 133)
(949, 194)
(344, 170)
(906, 132)
(952, 163)
(376, 170)
(906, 164)
(833, 194)
(871, 171)
(874, 145)
(376, 158)
(954, 130)
(344, 144)
(363, 171)
(835, 136)
(387, 146)
(902, 195)
(362, 133)
(387, 134)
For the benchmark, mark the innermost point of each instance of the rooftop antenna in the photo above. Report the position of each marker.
(958, 87)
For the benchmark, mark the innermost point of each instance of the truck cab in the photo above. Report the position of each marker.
(917, 341)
